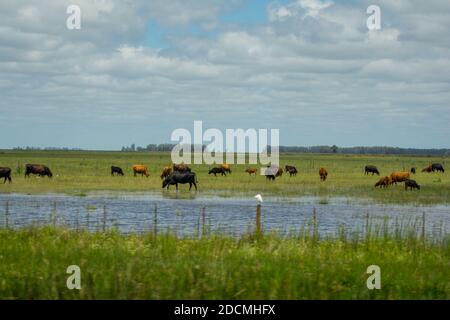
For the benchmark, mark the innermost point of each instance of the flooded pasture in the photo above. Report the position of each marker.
(193, 214)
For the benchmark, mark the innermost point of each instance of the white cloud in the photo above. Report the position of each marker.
(299, 8)
(313, 7)
(314, 62)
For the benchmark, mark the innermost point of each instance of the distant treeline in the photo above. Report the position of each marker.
(316, 149)
(292, 149)
(365, 150)
(46, 149)
(155, 147)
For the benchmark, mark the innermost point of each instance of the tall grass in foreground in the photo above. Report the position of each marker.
(33, 265)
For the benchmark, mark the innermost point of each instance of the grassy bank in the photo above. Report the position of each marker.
(33, 265)
(82, 172)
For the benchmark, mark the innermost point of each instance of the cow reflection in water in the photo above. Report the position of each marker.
(169, 195)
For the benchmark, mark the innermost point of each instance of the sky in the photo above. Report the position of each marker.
(138, 70)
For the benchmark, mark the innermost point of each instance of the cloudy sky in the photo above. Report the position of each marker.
(137, 70)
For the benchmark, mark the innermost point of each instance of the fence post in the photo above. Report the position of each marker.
(87, 217)
(258, 220)
(7, 214)
(423, 226)
(54, 214)
(78, 221)
(155, 220)
(104, 218)
(203, 221)
(315, 231)
(367, 226)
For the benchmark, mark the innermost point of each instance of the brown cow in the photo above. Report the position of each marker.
(428, 169)
(226, 167)
(181, 168)
(291, 170)
(251, 171)
(383, 182)
(166, 172)
(141, 169)
(38, 169)
(323, 173)
(399, 177)
(279, 172)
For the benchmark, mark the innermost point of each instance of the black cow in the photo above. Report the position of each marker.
(437, 167)
(291, 170)
(5, 173)
(412, 184)
(116, 170)
(216, 170)
(371, 169)
(413, 170)
(38, 169)
(180, 177)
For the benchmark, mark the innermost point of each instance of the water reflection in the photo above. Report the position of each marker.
(191, 213)
(172, 194)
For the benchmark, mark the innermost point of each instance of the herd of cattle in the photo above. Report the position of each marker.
(36, 169)
(396, 177)
(182, 174)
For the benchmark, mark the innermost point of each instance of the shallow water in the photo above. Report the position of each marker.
(190, 214)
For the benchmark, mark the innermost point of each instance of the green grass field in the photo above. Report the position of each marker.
(33, 265)
(33, 261)
(82, 172)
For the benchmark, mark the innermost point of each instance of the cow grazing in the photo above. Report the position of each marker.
(433, 167)
(166, 172)
(140, 169)
(399, 177)
(216, 170)
(437, 167)
(180, 177)
(273, 172)
(291, 170)
(38, 169)
(413, 170)
(181, 168)
(412, 184)
(226, 167)
(323, 173)
(279, 172)
(383, 182)
(116, 171)
(251, 171)
(371, 169)
(5, 173)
